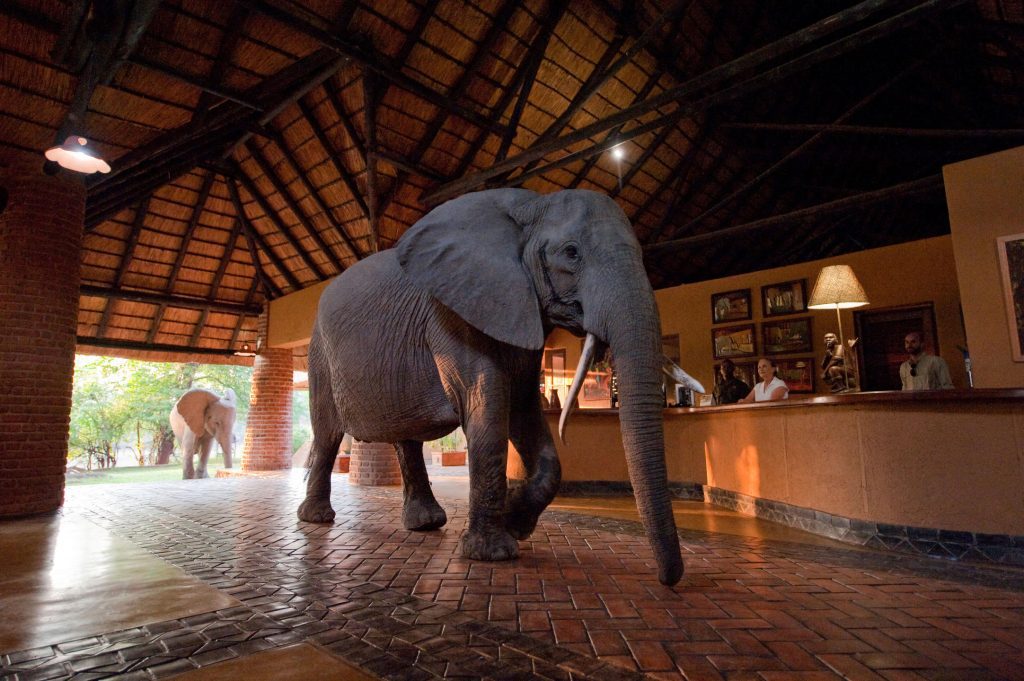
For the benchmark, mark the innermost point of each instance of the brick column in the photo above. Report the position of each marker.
(374, 463)
(268, 430)
(40, 263)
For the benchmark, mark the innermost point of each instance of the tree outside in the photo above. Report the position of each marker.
(120, 408)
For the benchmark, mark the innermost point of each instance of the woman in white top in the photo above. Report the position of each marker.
(771, 386)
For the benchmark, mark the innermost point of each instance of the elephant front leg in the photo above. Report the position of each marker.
(486, 538)
(527, 499)
(420, 509)
(205, 445)
(188, 450)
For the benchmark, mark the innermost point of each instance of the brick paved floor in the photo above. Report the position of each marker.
(581, 602)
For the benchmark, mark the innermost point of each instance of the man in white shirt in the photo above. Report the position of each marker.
(923, 371)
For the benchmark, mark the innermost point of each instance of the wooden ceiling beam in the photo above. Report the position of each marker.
(314, 194)
(803, 147)
(372, 60)
(873, 130)
(151, 298)
(370, 94)
(333, 157)
(273, 216)
(253, 238)
(723, 83)
(151, 347)
(903, 190)
(225, 260)
(129, 250)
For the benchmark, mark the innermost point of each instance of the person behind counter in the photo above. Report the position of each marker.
(923, 371)
(771, 387)
(728, 388)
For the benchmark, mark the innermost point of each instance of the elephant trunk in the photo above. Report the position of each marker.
(635, 341)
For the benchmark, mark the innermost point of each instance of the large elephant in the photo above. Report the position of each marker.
(448, 328)
(200, 417)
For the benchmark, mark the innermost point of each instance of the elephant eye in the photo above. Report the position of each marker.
(571, 252)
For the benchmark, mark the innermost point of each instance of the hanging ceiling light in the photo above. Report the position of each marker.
(75, 154)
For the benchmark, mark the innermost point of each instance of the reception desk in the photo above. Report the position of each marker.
(856, 464)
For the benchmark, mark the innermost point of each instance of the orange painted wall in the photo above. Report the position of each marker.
(985, 197)
(915, 272)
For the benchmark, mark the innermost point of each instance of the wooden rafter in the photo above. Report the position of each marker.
(899, 191)
(314, 194)
(371, 60)
(272, 215)
(168, 300)
(254, 239)
(750, 72)
(129, 251)
(332, 156)
(370, 126)
(289, 201)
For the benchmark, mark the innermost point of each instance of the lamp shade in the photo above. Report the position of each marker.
(76, 155)
(837, 288)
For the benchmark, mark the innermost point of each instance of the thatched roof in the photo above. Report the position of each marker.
(261, 146)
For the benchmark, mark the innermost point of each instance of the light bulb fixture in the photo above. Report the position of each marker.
(618, 153)
(75, 154)
(246, 351)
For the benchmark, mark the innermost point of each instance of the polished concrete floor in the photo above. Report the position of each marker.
(216, 579)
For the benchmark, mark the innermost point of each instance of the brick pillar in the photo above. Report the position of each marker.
(374, 463)
(40, 263)
(268, 430)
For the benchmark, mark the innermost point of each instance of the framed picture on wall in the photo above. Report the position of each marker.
(787, 336)
(798, 373)
(789, 297)
(730, 306)
(734, 341)
(1011, 268)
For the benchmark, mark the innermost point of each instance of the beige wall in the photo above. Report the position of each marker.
(292, 316)
(916, 272)
(985, 197)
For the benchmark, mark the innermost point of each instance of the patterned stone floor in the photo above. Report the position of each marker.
(581, 602)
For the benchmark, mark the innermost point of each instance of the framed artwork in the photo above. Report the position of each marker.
(1011, 267)
(734, 341)
(731, 306)
(789, 297)
(787, 336)
(798, 373)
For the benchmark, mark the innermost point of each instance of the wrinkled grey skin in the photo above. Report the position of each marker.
(200, 417)
(448, 329)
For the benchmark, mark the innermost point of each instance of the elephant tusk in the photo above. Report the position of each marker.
(577, 382)
(675, 372)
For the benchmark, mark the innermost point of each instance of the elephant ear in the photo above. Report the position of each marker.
(192, 407)
(467, 253)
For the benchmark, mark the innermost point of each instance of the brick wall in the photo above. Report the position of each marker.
(40, 253)
(268, 430)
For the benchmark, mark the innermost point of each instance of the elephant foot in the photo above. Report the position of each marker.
(201, 474)
(316, 510)
(495, 544)
(423, 514)
(521, 514)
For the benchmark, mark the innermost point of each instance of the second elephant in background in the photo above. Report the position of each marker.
(200, 417)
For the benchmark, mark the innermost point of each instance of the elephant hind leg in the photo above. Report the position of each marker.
(420, 509)
(327, 435)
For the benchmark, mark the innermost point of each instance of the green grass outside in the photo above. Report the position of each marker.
(134, 474)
